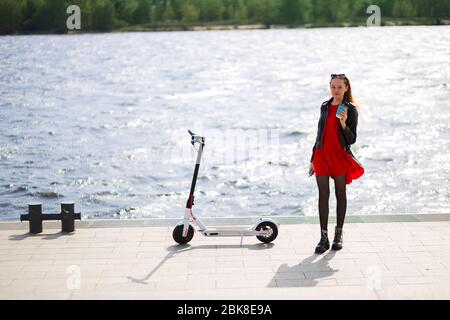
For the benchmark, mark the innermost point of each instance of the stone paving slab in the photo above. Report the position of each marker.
(380, 260)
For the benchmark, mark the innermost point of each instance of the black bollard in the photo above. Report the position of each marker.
(34, 216)
(68, 216)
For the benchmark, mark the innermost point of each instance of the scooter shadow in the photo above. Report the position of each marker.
(306, 273)
(176, 249)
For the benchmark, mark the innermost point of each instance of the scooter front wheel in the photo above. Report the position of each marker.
(178, 234)
(272, 231)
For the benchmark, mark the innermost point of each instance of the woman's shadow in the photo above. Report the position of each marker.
(307, 273)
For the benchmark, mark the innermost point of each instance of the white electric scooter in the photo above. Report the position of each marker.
(266, 229)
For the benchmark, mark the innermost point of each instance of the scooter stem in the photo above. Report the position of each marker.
(201, 141)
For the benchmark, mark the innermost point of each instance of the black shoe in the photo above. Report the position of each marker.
(337, 242)
(323, 244)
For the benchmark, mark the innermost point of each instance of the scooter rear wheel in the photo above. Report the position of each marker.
(269, 226)
(178, 234)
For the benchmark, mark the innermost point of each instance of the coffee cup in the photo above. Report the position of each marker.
(340, 109)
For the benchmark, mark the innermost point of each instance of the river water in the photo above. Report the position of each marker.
(102, 120)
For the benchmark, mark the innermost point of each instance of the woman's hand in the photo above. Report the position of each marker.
(343, 118)
(311, 169)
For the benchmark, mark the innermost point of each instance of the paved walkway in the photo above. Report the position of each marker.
(395, 260)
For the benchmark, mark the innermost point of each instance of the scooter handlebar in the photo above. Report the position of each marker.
(196, 138)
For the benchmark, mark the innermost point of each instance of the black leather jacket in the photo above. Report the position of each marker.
(347, 136)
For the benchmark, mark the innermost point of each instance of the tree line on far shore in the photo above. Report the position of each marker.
(49, 16)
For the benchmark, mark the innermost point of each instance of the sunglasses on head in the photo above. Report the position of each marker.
(339, 76)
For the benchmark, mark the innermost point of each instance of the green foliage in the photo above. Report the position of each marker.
(404, 8)
(50, 16)
(103, 16)
(18, 16)
(262, 11)
(124, 9)
(295, 11)
(238, 10)
(439, 8)
(10, 16)
(188, 12)
(210, 10)
(142, 13)
(168, 12)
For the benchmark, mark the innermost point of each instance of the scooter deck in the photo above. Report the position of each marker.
(229, 231)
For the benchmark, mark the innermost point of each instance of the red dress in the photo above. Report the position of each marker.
(332, 159)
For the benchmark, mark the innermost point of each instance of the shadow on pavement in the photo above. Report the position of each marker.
(305, 274)
(45, 236)
(175, 249)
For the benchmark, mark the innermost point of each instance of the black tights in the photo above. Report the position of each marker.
(324, 194)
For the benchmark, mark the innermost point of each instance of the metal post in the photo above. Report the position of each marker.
(35, 217)
(67, 216)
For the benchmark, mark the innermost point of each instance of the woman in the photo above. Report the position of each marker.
(333, 158)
